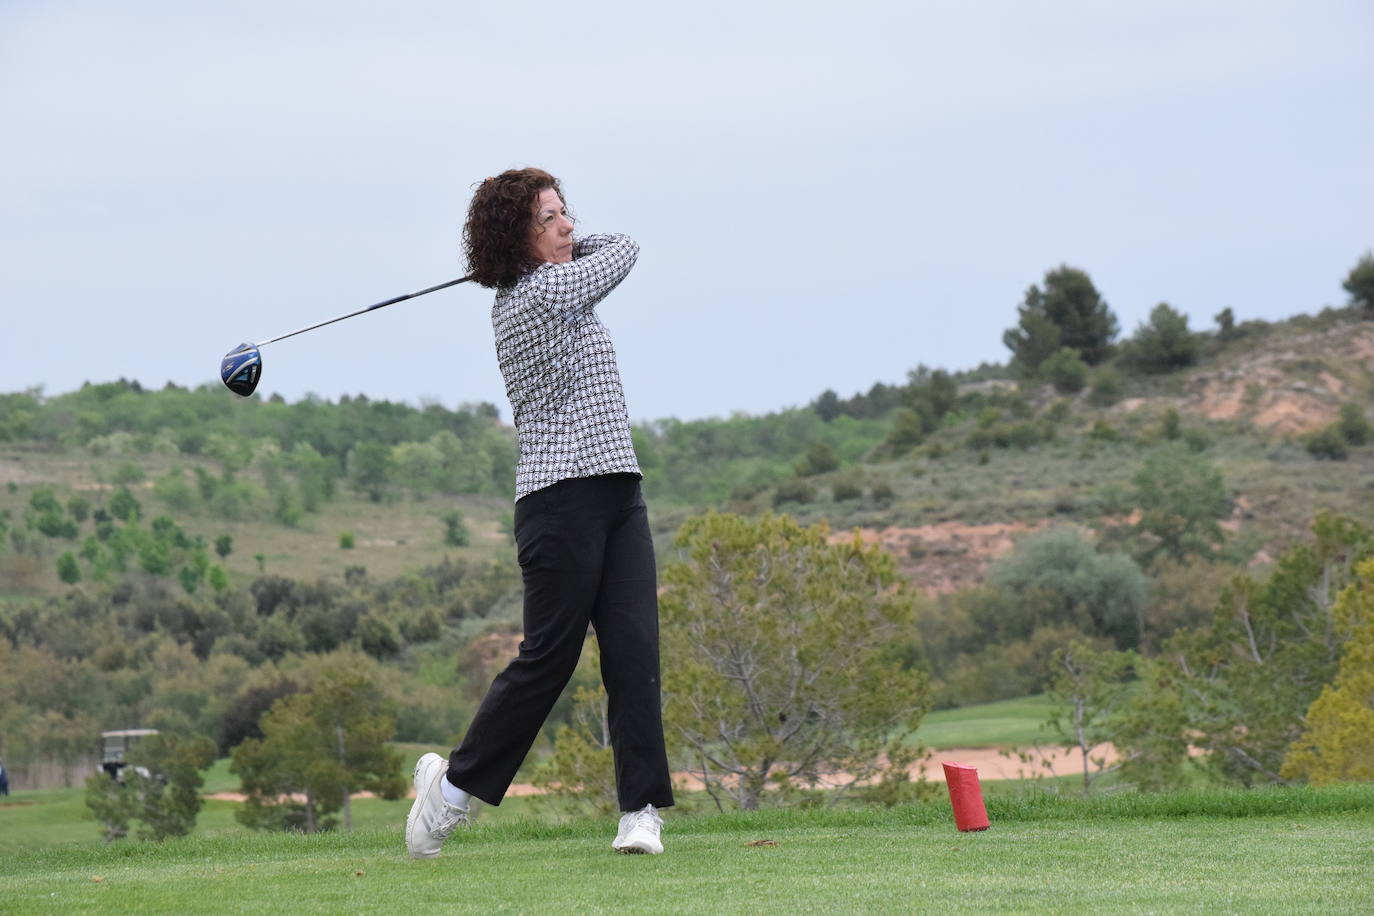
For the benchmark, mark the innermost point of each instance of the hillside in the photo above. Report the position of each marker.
(944, 507)
(182, 559)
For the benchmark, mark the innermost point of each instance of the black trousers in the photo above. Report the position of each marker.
(586, 556)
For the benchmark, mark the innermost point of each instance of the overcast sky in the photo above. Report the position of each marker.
(826, 195)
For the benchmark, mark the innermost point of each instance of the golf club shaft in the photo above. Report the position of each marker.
(368, 309)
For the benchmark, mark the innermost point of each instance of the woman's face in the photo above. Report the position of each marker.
(551, 229)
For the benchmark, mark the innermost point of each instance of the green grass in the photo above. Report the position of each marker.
(1289, 850)
(999, 724)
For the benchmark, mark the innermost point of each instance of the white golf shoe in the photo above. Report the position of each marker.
(639, 832)
(431, 819)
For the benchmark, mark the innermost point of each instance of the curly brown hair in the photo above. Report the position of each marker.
(496, 236)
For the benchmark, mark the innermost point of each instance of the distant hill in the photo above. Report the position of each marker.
(1005, 458)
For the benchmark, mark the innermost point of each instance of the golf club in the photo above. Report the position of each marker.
(241, 368)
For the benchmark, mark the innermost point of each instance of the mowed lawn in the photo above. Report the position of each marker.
(1278, 850)
(1001, 724)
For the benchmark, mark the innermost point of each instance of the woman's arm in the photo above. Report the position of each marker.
(599, 263)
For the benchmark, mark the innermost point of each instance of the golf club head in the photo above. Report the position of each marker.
(241, 368)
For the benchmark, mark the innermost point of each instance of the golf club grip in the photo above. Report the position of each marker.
(369, 308)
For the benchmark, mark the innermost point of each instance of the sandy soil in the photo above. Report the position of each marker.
(991, 763)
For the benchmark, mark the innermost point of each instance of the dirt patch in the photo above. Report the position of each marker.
(1279, 388)
(948, 556)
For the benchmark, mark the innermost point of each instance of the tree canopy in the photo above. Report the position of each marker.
(1067, 312)
(779, 657)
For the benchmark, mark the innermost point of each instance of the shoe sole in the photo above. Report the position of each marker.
(631, 850)
(415, 807)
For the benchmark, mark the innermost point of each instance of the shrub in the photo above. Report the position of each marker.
(455, 532)
(794, 491)
(1163, 343)
(1102, 431)
(1068, 312)
(1065, 370)
(1105, 387)
(67, 569)
(820, 458)
(176, 492)
(847, 486)
(123, 506)
(1353, 426)
(1359, 283)
(346, 541)
(128, 473)
(1329, 443)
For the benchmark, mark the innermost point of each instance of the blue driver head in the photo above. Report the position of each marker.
(240, 369)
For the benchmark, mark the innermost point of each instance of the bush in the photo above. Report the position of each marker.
(1329, 443)
(907, 431)
(123, 506)
(1069, 312)
(346, 541)
(67, 569)
(1105, 388)
(1102, 431)
(1066, 371)
(820, 458)
(1359, 283)
(128, 473)
(794, 491)
(455, 532)
(1354, 428)
(1164, 343)
(847, 486)
(176, 492)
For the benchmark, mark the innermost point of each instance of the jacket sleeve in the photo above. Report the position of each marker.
(599, 263)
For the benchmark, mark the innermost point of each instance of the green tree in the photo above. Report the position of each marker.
(164, 774)
(1068, 312)
(1087, 687)
(1163, 343)
(455, 532)
(1058, 577)
(224, 545)
(1328, 443)
(324, 745)
(820, 458)
(907, 431)
(1359, 283)
(1065, 370)
(1226, 323)
(369, 469)
(1337, 743)
(111, 803)
(827, 405)
(780, 660)
(67, 569)
(1354, 426)
(1151, 732)
(1181, 496)
(160, 787)
(123, 506)
(1249, 678)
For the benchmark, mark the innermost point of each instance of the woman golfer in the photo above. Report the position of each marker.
(581, 527)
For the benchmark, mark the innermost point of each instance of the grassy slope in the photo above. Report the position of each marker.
(1275, 851)
(1281, 484)
(1000, 724)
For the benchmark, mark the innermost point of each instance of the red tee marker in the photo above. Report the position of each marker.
(966, 797)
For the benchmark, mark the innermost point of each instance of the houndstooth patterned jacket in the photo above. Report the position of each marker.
(559, 366)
